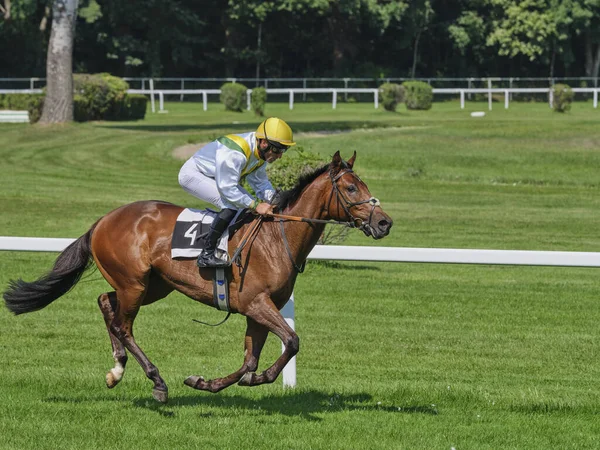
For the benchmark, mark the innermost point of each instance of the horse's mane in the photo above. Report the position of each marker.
(286, 198)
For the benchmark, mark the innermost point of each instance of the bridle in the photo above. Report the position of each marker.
(355, 222)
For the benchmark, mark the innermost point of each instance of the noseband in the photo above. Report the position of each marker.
(356, 222)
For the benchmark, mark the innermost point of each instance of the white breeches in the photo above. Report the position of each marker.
(199, 185)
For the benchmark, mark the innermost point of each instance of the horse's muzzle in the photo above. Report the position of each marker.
(379, 226)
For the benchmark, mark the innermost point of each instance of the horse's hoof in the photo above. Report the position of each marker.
(160, 396)
(111, 380)
(247, 379)
(192, 381)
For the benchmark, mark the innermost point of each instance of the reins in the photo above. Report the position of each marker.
(342, 200)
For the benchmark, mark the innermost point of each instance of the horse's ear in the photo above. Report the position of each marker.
(336, 161)
(350, 162)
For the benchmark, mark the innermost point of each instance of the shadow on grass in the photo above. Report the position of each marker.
(303, 404)
(345, 265)
(297, 404)
(243, 126)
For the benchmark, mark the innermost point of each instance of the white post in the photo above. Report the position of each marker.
(334, 100)
(551, 97)
(490, 100)
(346, 87)
(304, 92)
(291, 99)
(161, 102)
(462, 98)
(152, 94)
(506, 99)
(182, 88)
(248, 100)
(596, 98)
(376, 100)
(289, 371)
(204, 100)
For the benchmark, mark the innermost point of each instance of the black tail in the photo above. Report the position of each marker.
(23, 297)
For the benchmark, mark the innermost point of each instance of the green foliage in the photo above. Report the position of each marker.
(297, 161)
(35, 108)
(391, 95)
(233, 96)
(562, 97)
(258, 100)
(418, 95)
(18, 102)
(104, 97)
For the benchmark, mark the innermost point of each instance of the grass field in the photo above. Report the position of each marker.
(392, 355)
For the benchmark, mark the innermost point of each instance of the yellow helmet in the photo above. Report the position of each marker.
(276, 130)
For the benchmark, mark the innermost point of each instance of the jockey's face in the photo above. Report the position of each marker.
(268, 153)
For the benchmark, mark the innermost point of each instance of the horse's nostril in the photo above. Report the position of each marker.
(384, 224)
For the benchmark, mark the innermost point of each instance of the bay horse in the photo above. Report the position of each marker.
(131, 246)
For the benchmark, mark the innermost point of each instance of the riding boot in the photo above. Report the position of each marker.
(207, 257)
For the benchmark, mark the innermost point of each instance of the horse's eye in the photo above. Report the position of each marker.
(351, 188)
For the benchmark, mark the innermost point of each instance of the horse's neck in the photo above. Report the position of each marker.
(302, 237)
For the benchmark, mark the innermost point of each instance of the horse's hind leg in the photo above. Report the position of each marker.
(256, 335)
(108, 305)
(129, 302)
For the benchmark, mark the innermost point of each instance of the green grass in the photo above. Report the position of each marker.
(392, 355)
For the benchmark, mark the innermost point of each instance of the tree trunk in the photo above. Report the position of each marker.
(58, 104)
(415, 54)
(552, 60)
(258, 52)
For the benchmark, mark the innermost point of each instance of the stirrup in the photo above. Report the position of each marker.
(210, 260)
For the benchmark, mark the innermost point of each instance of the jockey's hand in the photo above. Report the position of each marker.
(264, 208)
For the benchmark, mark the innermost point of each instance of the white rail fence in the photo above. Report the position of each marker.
(291, 92)
(381, 254)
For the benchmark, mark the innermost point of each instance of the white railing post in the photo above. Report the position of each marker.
(376, 98)
(291, 99)
(161, 102)
(248, 99)
(334, 99)
(152, 94)
(595, 98)
(506, 99)
(289, 371)
(182, 88)
(462, 98)
(205, 100)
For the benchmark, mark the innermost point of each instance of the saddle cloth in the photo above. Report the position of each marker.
(191, 225)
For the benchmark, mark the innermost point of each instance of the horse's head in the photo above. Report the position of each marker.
(350, 200)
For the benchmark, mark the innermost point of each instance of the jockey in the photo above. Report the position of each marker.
(214, 173)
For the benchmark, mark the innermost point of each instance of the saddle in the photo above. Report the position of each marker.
(193, 224)
(186, 242)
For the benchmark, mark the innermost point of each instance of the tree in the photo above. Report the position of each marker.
(58, 104)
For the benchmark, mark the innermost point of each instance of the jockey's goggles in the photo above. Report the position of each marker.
(277, 148)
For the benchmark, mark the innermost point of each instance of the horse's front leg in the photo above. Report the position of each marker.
(266, 314)
(256, 335)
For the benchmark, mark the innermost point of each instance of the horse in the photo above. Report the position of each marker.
(131, 247)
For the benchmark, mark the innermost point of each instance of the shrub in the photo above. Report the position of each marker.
(233, 96)
(101, 96)
(562, 97)
(138, 104)
(35, 108)
(18, 102)
(418, 95)
(104, 97)
(258, 99)
(391, 95)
